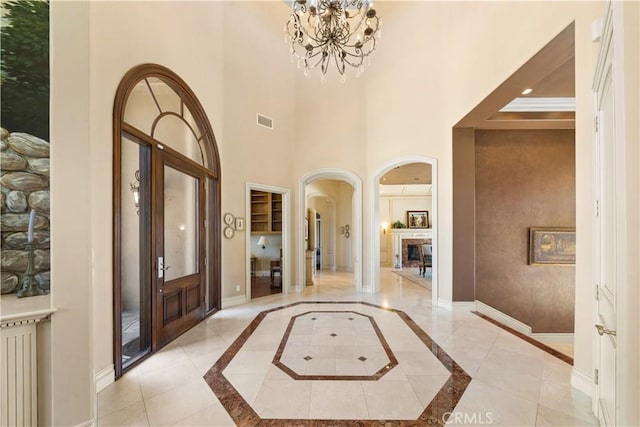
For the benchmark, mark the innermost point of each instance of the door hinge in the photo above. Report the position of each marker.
(597, 207)
(595, 124)
(596, 376)
(597, 292)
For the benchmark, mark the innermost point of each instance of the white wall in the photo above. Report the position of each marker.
(327, 209)
(344, 244)
(257, 79)
(70, 393)
(629, 344)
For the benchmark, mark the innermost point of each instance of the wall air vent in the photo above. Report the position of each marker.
(265, 121)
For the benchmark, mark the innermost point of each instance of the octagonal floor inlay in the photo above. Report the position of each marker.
(337, 345)
(336, 363)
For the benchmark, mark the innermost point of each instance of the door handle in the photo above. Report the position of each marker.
(602, 331)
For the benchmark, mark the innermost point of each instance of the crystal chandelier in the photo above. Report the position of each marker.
(342, 31)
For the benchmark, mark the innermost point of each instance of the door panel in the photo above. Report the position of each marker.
(608, 230)
(180, 250)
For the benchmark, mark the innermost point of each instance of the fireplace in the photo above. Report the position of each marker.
(412, 253)
(402, 239)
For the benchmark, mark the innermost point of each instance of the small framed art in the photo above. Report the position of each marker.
(418, 219)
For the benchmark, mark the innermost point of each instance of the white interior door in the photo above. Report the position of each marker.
(609, 226)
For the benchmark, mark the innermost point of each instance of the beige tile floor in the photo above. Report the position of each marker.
(513, 383)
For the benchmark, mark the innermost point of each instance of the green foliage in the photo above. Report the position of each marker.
(398, 224)
(25, 67)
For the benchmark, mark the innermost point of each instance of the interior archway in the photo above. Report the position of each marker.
(355, 229)
(375, 230)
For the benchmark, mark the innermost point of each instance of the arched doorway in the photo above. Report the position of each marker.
(355, 229)
(166, 210)
(433, 218)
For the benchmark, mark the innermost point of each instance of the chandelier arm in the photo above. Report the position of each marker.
(340, 63)
(363, 44)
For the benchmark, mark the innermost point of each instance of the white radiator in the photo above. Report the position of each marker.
(19, 375)
(19, 359)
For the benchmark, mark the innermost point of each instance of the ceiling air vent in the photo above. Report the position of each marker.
(265, 121)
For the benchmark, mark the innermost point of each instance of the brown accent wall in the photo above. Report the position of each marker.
(464, 202)
(524, 179)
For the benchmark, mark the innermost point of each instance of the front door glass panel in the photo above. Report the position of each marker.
(180, 224)
(134, 295)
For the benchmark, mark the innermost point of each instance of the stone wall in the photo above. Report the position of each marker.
(24, 185)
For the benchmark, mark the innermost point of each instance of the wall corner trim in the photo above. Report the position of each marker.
(503, 318)
(465, 305)
(233, 301)
(89, 423)
(104, 377)
(582, 382)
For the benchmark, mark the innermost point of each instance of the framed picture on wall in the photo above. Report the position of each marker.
(552, 246)
(418, 219)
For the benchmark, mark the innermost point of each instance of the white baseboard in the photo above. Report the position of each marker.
(581, 382)
(104, 377)
(444, 303)
(553, 338)
(503, 318)
(233, 301)
(465, 305)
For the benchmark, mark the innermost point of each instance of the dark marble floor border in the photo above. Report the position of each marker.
(552, 351)
(376, 376)
(243, 414)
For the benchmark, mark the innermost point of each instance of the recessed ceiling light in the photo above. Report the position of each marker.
(527, 91)
(384, 179)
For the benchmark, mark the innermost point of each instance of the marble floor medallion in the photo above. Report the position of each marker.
(336, 363)
(335, 345)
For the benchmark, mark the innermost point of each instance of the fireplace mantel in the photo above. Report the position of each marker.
(400, 234)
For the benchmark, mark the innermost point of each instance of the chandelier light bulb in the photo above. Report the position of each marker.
(342, 32)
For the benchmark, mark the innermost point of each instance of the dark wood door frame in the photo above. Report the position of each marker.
(210, 191)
